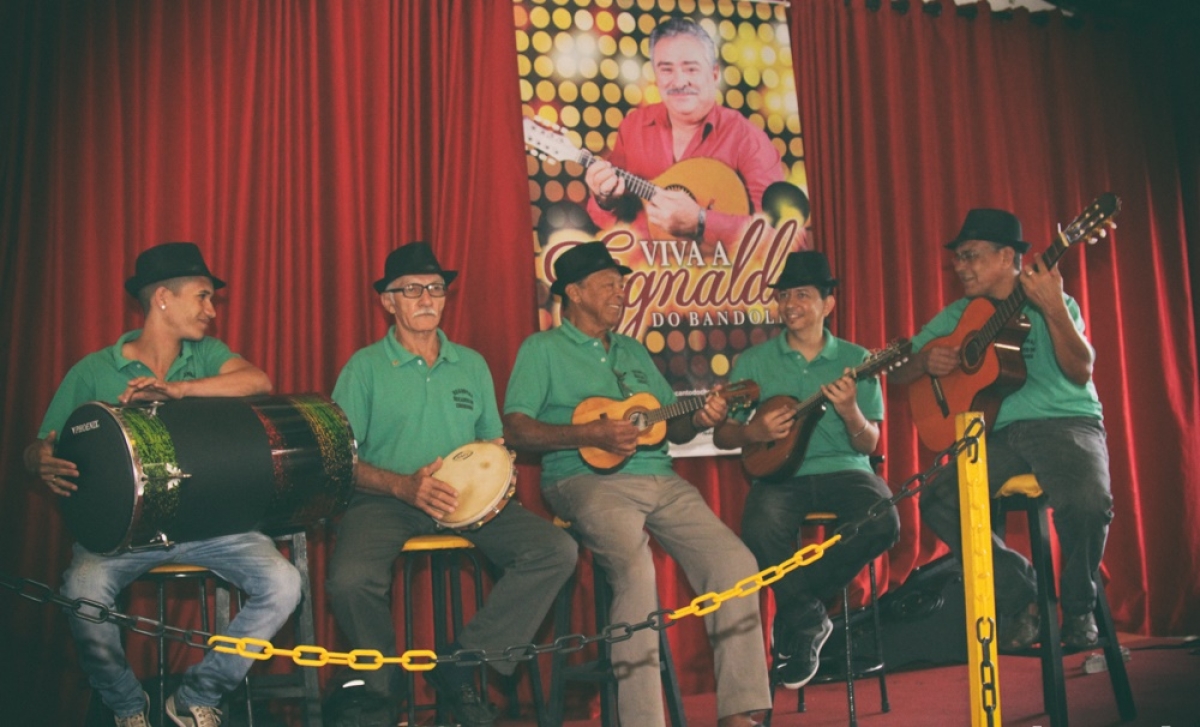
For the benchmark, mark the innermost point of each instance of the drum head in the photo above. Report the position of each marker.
(481, 472)
(101, 511)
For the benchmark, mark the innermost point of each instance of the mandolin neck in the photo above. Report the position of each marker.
(633, 183)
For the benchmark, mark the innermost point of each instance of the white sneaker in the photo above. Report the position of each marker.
(194, 716)
(138, 720)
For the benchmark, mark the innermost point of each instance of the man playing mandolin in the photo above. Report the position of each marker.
(834, 474)
(169, 358)
(1050, 426)
(412, 398)
(687, 124)
(614, 508)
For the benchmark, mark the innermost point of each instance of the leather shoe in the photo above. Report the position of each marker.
(745, 719)
(1019, 631)
(1080, 632)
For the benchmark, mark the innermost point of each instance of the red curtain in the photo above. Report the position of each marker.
(299, 142)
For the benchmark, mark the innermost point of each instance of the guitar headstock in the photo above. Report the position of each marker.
(1094, 222)
(547, 141)
(741, 394)
(886, 359)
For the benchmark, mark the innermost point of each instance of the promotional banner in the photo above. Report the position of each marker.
(667, 129)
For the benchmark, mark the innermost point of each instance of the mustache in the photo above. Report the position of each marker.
(683, 91)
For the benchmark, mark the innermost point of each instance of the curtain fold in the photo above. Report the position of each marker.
(299, 142)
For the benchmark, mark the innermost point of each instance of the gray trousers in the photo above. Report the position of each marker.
(1069, 457)
(537, 558)
(613, 514)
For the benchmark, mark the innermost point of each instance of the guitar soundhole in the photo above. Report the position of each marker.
(639, 419)
(972, 354)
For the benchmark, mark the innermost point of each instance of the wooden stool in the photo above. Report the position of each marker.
(1024, 494)
(445, 554)
(874, 667)
(599, 671)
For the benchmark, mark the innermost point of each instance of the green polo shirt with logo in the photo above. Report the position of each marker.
(103, 375)
(1047, 393)
(405, 413)
(778, 369)
(557, 369)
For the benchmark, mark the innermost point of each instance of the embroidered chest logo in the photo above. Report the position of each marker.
(464, 399)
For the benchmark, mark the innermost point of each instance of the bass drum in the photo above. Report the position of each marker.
(151, 474)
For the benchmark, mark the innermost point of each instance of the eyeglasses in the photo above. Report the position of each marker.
(415, 290)
(969, 256)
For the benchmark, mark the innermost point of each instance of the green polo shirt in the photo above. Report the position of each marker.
(405, 413)
(1047, 393)
(777, 368)
(557, 369)
(103, 375)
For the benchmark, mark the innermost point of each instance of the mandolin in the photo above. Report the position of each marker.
(777, 460)
(712, 184)
(644, 410)
(989, 336)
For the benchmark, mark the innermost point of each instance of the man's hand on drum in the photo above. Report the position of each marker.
(427, 493)
(40, 461)
(148, 388)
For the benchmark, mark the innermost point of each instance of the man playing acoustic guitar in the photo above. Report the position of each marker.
(613, 509)
(835, 473)
(687, 124)
(1051, 426)
(412, 398)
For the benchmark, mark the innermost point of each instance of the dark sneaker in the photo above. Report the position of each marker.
(1080, 632)
(797, 652)
(192, 716)
(1020, 630)
(461, 696)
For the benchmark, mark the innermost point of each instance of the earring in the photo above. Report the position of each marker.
(163, 306)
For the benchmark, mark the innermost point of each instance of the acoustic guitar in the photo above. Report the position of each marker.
(989, 336)
(777, 460)
(644, 410)
(712, 184)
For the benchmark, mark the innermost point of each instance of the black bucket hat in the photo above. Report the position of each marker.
(998, 226)
(166, 261)
(807, 267)
(581, 261)
(415, 258)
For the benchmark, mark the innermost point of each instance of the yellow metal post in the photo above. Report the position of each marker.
(978, 578)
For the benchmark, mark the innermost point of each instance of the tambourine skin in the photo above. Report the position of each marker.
(485, 478)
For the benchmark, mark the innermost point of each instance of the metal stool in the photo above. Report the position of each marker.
(301, 682)
(875, 667)
(1024, 494)
(599, 671)
(159, 576)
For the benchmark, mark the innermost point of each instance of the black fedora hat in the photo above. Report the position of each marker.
(581, 261)
(166, 261)
(998, 226)
(415, 258)
(807, 267)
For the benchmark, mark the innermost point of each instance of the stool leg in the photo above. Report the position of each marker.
(162, 654)
(849, 656)
(608, 688)
(409, 679)
(670, 682)
(1054, 691)
(885, 705)
(556, 704)
(1112, 655)
(305, 631)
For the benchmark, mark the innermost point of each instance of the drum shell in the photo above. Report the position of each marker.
(202, 467)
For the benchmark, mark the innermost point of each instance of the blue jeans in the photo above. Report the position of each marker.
(249, 561)
(1069, 457)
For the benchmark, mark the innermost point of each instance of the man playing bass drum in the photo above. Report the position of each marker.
(835, 474)
(1050, 426)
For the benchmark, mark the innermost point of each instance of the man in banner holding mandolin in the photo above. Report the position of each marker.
(1051, 426)
(688, 124)
(614, 508)
(828, 469)
(169, 358)
(412, 398)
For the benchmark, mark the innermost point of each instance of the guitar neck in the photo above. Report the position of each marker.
(633, 183)
(686, 405)
(1012, 305)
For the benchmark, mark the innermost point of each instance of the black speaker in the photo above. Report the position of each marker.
(924, 620)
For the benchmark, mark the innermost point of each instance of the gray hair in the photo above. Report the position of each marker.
(675, 27)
